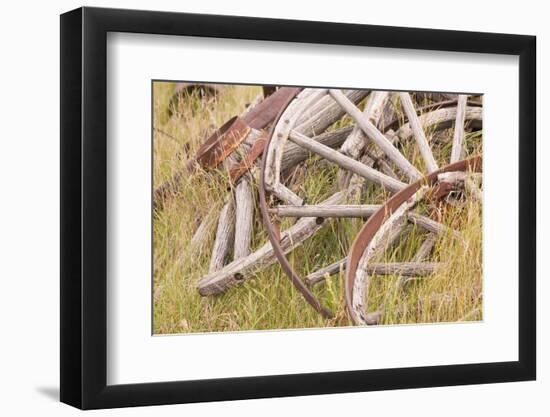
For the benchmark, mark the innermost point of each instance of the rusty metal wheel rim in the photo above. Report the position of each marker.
(273, 231)
(274, 235)
(375, 222)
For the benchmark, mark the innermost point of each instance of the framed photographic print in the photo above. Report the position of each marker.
(256, 208)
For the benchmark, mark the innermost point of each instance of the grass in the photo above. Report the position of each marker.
(268, 300)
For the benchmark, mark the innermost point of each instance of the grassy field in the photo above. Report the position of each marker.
(268, 300)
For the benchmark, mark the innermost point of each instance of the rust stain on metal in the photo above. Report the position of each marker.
(266, 111)
(246, 163)
(224, 141)
(228, 137)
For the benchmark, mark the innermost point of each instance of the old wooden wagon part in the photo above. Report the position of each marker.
(238, 136)
(317, 118)
(388, 216)
(366, 150)
(353, 156)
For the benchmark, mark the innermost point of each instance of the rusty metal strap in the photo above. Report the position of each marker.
(224, 141)
(246, 163)
(227, 138)
(266, 111)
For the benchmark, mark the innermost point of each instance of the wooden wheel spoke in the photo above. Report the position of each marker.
(419, 135)
(325, 210)
(244, 212)
(404, 269)
(376, 136)
(357, 141)
(358, 211)
(224, 236)
(458, 136)
(420, 256)
(346, 162)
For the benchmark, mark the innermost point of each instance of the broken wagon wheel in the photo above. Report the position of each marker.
(316, 118)
(361, 154)
(387, 216)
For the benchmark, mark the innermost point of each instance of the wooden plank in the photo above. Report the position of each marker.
(421, 140)
(357, 140)
(439, 118)
(324, 112)
(244, 215)
(325, 210)
(458, 136)
(405, 269)
(224, 236)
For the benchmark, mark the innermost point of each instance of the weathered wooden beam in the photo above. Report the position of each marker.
(431, 225)
(203, 230)
(286, 194)
(438, 118)
(421, 140)
(356, 211)
(356, 141)
(224, 236)
(376, 136)
(458, 136)
(244, 215)
(294, 154)
(405, 269)
(324, 210)
(324, 112)
(346, 162)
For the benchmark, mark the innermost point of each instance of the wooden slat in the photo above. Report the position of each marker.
(324, 210)
(458, 136)
(421, 140)
(244, 215)
(356, 142)
(405, 269)
(224, 236)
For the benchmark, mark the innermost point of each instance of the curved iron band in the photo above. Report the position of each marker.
(375, 221)
(239, 169)
(212, 152)
(222, 142)
(274, 234)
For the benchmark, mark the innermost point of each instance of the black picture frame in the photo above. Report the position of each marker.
(84, 207)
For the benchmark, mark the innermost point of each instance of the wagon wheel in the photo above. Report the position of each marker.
(370, 152)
